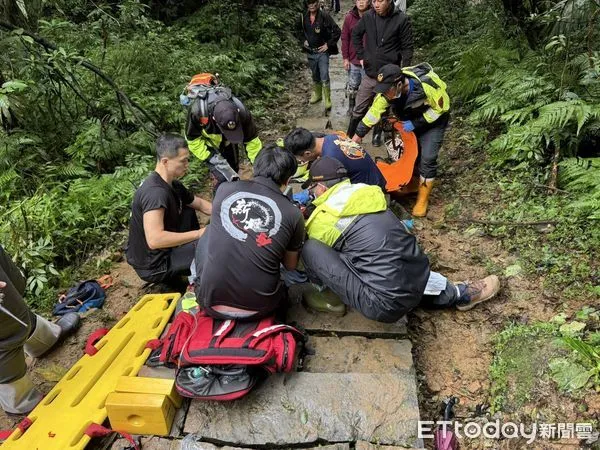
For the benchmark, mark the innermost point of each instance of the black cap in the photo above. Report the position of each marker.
(325, 169)
(227, 117)
(387, 76)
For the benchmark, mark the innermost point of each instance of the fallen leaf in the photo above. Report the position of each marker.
(52, 372)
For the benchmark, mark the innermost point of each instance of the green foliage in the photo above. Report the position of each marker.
(71, 149)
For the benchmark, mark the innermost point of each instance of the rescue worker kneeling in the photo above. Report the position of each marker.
(364, 254)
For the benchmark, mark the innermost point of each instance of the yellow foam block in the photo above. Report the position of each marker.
(140, 413)
(59, 421)
(144, 385)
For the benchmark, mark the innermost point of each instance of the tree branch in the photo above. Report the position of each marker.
(504, 223)
(131, 104)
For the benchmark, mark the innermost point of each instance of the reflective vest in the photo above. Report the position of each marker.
(436, 99)
(339, 207)
(200, 147)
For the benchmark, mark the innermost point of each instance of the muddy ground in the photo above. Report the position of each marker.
(453, 351)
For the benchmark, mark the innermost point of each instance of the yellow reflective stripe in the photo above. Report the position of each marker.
(430, 115)
(252, 148)
(199, 149)
(379, 106)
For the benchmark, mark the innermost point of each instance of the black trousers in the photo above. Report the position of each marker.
(179, 259)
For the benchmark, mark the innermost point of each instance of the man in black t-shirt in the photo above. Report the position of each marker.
(254, 229)
(164, 228)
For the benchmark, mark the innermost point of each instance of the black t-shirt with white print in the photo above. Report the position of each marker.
(154, 193)
(252, 226)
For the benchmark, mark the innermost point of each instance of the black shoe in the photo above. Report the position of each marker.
(377, 136)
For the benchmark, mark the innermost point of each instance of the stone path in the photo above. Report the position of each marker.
(357, 387)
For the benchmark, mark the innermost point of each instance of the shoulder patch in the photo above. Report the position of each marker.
(351, 149)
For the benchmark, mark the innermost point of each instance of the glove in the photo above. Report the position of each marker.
(221, 170)
(302, 197)
(408, 125)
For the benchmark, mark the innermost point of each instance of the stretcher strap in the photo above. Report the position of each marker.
(92, 339)
(95, 430)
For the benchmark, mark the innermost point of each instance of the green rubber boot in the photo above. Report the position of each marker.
(325, 301)
(327, 96)
(316, 93)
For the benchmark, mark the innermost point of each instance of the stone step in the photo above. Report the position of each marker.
(304, 408)
(353, 323)
(357, 354)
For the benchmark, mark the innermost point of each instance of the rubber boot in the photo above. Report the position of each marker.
(316, 93)
(19, 396)
(48, 335)
(377, 136)
(425, 187)
(325, 301)
(354, 121)
(327, 96)
(351, 103)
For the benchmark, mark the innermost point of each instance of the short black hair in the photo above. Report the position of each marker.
(168, 145)
(275, 163)
(299, 140)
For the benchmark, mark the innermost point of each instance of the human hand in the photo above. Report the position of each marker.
(362, 63)
(306, 44)
(408, 125)
(356, 138)
(346, 64)
(323, 48)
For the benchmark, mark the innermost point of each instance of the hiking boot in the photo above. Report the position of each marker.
(324, 301)
(316, 93)
(45, 332)
(477, 292)
(425, 187)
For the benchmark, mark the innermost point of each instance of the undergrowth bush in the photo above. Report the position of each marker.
(72, 151)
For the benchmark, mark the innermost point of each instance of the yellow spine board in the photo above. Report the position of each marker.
(78, 399)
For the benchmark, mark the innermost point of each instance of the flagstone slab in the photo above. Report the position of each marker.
(353, 323)
(304, 408)
(357, 354)
(362, 445)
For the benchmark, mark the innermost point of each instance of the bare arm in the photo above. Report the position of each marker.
(157, 237)
(290, 260)
(199, 204)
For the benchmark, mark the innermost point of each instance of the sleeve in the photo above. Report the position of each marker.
(346, 37)
(297, 239)
(152, 199)
(186, 196)
(199, 148)
(251, 140)
(373, 116)
(335, 32)
(405, 34)
(300, 29)
(357, 38)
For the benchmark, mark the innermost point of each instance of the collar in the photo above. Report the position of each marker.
(267, 182)
(323, 198)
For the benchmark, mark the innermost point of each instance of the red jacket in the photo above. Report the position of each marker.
(348, 51)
